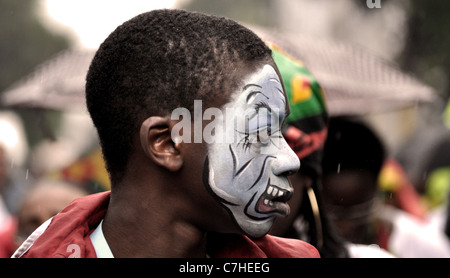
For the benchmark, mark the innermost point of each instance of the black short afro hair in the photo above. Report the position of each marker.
(156, 62)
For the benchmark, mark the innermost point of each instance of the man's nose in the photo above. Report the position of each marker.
(286, 162)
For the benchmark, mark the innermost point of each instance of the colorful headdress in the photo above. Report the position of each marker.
(306, 132)
(307, 123)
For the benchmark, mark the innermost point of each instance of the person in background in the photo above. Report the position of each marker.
(420, 183)
(353, 157)
(8, 224)
(306, 131)
(43, 201)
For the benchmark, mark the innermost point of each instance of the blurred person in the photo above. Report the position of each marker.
(13, 151)
(43, 201)
(306, 131)
(398, 190)
(3, 170)
(425, 160)
(11, 184)
(8, 228)
(353, 157)
(447, 218)
(170, 197)
(411, 237)
(429, 173)
(8, 224)
(427, 165)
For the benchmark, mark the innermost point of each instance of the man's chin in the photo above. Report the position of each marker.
(256, 228)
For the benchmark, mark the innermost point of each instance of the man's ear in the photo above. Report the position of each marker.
(157, 143)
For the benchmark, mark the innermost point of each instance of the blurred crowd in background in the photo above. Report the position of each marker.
(384, 72)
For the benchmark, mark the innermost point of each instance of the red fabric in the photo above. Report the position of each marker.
(68, 233)
(8, 229)
(68, 236)
(303, 144)
(239, 246)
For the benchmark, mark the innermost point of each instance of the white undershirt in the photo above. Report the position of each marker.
(367, 251)
(99, 242)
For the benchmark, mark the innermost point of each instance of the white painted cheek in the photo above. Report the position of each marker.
(220, 191)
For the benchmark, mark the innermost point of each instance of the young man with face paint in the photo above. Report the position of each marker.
(169, 197)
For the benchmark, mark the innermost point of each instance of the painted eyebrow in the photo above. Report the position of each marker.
(253, 92)
(251, 84)
(282, 94)
(287, 108)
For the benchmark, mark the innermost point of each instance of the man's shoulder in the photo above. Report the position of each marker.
(65, 234)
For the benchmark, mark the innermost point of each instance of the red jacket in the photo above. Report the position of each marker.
(67, 235)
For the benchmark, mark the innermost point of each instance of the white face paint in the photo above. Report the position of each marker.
(249, 174)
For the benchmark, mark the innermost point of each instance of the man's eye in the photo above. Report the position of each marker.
(262, 105)
(263, 135)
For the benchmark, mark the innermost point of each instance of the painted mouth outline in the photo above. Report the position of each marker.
(270, 200)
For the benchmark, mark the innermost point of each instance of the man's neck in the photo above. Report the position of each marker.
(134, 227)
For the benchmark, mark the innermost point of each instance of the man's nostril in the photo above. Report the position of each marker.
(288, 173)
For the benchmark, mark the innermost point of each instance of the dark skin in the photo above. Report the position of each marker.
(347, 190)
(162, 208)
(152, 204)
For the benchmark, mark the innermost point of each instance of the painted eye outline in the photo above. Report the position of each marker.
(262, 136)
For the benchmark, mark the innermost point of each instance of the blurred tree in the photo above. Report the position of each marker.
(426, 52)
(248, 11)
(24, 43)
(427, 49)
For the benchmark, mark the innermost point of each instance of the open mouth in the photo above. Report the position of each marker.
(274, 199)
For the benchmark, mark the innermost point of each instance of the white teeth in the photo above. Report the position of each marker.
(274, 192)
(268, 203)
